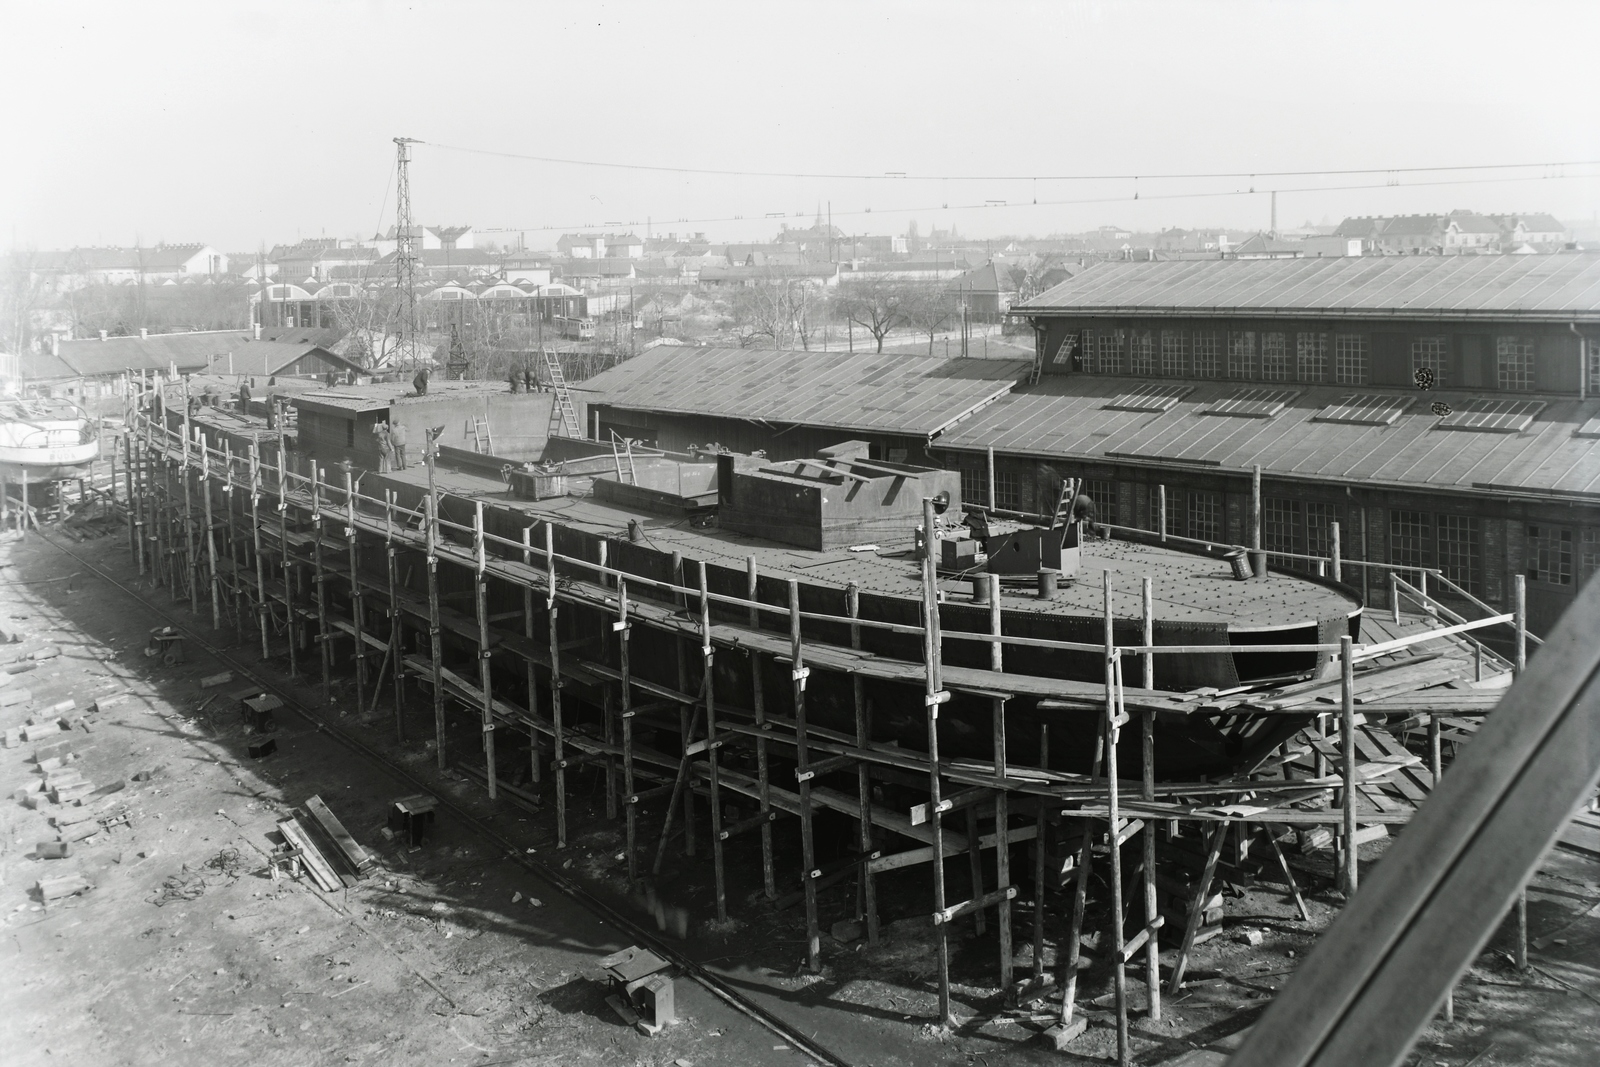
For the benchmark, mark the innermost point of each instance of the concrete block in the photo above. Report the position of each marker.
(49, 764)
(14, 737)
(52, 850)
(10, 698)
(47, 652)
(63, 707)
(102, 703)
(211, 681)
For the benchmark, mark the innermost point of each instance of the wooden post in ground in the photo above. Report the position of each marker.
(625, 671)
(934, 695)
(1152, 904)
(435, 644)
(132, 509)
(192, 558)
(1113, 727)
(535, 772)
(397, 633)
(707, 654)
(808, 851)
(863, 715)
(357, 604)
(320, 574)
(1347, 750)
(759, 705)
(558, 742)
(1002, 796)
(235, 548)
(292, 620)
(480, 587)
(607, 696)
(686, 717)
(1041, 828)
(211, 533)
(263, 606)
(136, 496)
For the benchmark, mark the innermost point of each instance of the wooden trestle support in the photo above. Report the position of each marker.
(347, 564)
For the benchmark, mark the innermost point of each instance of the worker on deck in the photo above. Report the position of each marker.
(1083, 510)
(397, 438)
(385, 448)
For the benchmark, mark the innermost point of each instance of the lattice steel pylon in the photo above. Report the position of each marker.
(405, 256)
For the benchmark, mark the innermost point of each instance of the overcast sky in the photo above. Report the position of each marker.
(236, 124)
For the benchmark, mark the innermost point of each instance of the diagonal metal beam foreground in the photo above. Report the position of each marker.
(1385, 965)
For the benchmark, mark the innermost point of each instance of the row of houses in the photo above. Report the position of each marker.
(1442, 410)
(1456, 233)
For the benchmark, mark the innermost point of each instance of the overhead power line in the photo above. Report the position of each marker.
(990, 205)
(898, 176)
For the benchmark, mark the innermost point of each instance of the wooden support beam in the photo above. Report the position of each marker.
(798, 673)
(974, 906)
(868, 895)
(480, 590)
(933, 691)
(758, 706)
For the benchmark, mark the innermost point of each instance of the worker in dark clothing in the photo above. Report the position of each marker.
(244, 398)
(1083, 510)
(516, 380)
(420, 382)
(530, 382)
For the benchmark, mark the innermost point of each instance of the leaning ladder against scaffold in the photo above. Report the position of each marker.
(561, 407)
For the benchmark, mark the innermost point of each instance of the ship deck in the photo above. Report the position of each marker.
(1188, 587)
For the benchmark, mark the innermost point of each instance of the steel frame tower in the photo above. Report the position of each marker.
(405, 256)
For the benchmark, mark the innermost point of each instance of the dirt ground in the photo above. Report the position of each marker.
(186, 950)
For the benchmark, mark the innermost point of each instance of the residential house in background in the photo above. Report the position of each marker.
(77, 267)
(987, 292)
(425, 238)
(1542, 233)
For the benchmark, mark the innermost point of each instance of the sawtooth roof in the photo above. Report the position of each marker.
(893, 394)
(1561, 288)
(1067, 418)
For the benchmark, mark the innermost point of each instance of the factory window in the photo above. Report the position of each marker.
(1514, 362)
(1350, 359)
(1408, 540)
(1008, 490)
(1311, 356)
(1205, 516)
(1275, 357)
(1111, 344)
(1427, 353)
(1174, 354)
(1206, 351)
(1141, 353)
(1319, 538)
(1589, 556)
(1458, 550)
(1280, 526)
(1242, 354)
(975, 485)
(1549, 555)
(1104, 494)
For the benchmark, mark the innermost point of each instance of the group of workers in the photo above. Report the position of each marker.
(391, 447)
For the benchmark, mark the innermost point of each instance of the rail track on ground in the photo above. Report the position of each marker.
(712, 983)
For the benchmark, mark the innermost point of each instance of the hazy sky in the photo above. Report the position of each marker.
(236, 124)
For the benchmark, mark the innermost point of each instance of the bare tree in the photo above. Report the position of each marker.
(929, 309)
(877, 306)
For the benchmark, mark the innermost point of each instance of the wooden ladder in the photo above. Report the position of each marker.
(482, 439)
(563, 416)
(1069, 493)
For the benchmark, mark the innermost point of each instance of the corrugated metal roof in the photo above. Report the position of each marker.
(1069, 420)
(861, 391)
(1562, 287)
